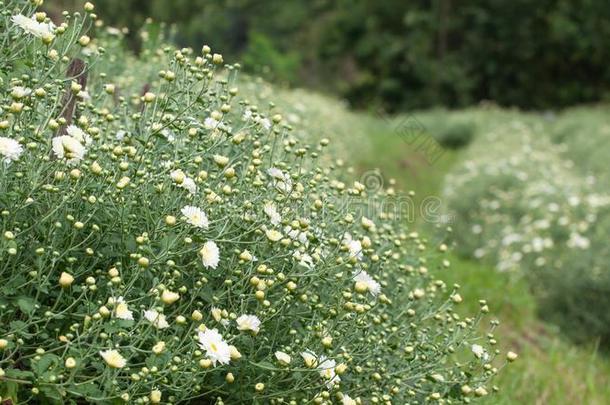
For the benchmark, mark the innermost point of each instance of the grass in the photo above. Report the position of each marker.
(550, 370)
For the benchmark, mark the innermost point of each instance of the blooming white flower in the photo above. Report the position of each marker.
(84, 95)
(265, 123)
(120, 135)
(10, 149)
(65, 146)
(371, 285)
(113, 358)
(578, 241)
(283, 358)
(354, 246)
(479, 352)
(177, 175)
(189, 185)
(347, 400)
(121, 310)
(31, 26)
(272, 213)
(195, 216)
(169, 135)
(281, 180)
(18, 92)
(327, 371)
(296, 234)
(78, 134)
(247, 115)
(158, 320)
(210, 254)
(215, 347)
(210, 123)
(310, 358)
(248, 322)
(304, 259)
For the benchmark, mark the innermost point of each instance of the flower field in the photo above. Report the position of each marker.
(167, 238)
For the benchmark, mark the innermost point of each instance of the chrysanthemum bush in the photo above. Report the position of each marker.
(521, 205)
(164, 240)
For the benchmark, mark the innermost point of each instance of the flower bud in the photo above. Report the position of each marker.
(65, 280)
(70, 362)
(169, 297)
(155, 397)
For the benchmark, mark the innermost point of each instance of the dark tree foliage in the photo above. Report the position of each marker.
(399, 54)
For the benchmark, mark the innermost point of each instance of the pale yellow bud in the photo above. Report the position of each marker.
(65, 280)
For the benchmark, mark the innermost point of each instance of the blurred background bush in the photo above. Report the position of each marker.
(395, 54)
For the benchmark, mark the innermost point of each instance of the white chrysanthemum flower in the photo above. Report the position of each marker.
(327, 371)
(158, 320)
(113, 31)
(265, 123)
(10, 149)
(210, 123)
(210, 254)
(577, 241)
(371, 285)
(304, 259)
(195, 216)
(296, 234)
(18, 92)
(169, 135)
(217, 350)
(281, 180)
(178, 176)
(31, 26)
(83, 94)
(121, 310)
(120, 135)
(479, 352)
(283, 358)
(65, 146)
(248, 322)
(354, 246)
(309, 358)
(78, 134)
(113, 358)
(272, 213)
(347, 400)
(247, 115)
(189, 185)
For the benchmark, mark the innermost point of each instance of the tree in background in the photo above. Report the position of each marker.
(399, 55)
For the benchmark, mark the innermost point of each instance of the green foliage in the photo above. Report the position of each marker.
(522, 204)
(263, 58)
(456, 134)
(165, 239)
(414, 54)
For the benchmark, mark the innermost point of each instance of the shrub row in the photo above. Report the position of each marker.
(163, 239)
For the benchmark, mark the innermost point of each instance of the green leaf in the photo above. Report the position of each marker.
(46, 363)
(27, 305)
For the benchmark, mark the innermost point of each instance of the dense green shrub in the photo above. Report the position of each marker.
(164, 239)
(456, 135)
(520, 204)
(585, 136)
